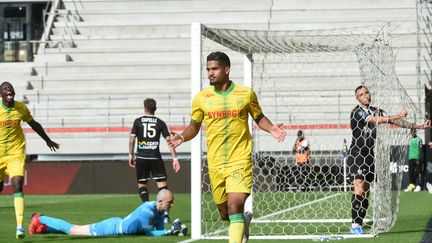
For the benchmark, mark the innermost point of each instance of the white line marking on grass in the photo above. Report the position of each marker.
(296, 207)
(285, 210)
(189, 240)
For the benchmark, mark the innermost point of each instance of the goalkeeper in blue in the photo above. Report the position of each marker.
(147, 219)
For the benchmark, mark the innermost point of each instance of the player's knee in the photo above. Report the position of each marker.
(142, 182)
(17, 184)
(223, 211)
(161, 183)
(17, 189)
(162, 187)
(142, 185)
(235, 207)
(359, 191)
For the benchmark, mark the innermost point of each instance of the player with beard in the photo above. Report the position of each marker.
(225, 107)
(364, 120)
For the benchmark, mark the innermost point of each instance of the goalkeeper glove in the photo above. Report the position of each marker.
(177, 228)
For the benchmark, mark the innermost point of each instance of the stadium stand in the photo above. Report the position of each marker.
(104, 57)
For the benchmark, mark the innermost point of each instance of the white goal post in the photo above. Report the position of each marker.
(305, 79)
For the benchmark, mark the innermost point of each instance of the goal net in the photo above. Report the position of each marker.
(306, 80)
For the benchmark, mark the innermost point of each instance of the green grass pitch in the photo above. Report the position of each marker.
(414, 214)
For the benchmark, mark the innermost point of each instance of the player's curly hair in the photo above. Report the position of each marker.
(219, 56)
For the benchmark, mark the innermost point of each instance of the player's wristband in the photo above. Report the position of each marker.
(182, 138)
(131, 156)
(175, 159)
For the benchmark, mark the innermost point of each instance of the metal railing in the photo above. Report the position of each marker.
(119, 110)
(109, 111)
(69, 31)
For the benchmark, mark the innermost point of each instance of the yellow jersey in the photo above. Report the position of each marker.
(225, 117)
(12, 140)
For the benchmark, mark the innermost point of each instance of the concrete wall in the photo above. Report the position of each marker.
(62, 177)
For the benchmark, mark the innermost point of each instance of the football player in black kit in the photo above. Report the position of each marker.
(148, 162)
(364, 120)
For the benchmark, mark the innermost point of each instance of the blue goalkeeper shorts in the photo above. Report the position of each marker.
(109, 226)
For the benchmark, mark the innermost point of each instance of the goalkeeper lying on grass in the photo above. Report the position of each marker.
(147, 219)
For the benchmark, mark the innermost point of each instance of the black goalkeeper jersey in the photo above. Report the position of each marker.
(363, 132)
(147, 130)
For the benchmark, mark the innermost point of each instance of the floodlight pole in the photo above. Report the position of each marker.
(196, 149)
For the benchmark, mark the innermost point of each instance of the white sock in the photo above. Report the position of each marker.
(429, 187)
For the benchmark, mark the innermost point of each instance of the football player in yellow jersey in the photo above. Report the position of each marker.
(12, 147)
(224, 107)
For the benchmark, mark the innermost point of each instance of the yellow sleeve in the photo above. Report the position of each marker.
(254, 107)
(197, 113)
(26, 116)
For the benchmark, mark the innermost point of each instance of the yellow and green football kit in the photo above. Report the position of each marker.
(229, 143)
(12, 140)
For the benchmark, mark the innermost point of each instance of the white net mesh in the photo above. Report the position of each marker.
(307, 80)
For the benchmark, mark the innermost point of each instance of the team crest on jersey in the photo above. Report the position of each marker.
(208, 96)
(210, 103)
(362, 114)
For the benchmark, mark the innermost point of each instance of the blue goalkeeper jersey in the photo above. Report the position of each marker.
(143, 219)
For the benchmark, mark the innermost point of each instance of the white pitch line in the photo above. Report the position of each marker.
(296, 207)
(283, 211)
(189, 240)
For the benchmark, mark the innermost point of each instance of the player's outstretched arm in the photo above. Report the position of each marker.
(277, 130)
(399, 121)
(425, 125)
(177, 229)
(395, 119)
(37, 127)
(190, 132)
